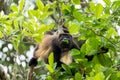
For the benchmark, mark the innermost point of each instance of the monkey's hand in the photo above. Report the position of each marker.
(33, 61)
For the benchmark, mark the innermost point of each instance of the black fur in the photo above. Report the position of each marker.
(58, 50)
(33, 62)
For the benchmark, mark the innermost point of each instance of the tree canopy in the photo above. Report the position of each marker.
(22, 26)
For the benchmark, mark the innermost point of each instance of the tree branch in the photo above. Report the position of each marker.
(3, 75)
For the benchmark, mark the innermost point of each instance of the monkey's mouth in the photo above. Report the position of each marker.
(65, 44)
(65, 41)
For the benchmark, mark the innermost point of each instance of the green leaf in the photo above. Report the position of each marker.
(15, 22)
(74, 27)
(78, 16)
(111, 33)
(92, 6)
(76, 1)
(40, 5)
(108, 2)
(90, 78)
(65, 7)
(118, 74)
(78, 76)
(104, 60)
(66, 68)
(115, 4)
(100, 76)
(1, 34)
(33, 13)
(21, 5)
(98, 10)
(108, 72)
(14, 8)
(49, 78)
(92, 45)
(51, 59)
(51, 70)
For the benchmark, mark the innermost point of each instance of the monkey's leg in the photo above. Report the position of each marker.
(66, 58)
(30, 71)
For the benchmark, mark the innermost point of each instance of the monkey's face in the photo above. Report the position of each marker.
(65, 41)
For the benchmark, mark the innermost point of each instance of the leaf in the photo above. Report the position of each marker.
(108, 2)
(14, 8)
(21, 5)
(49, 78)
(98, 10)
(75, 52)
(15, 22)
(40, 5)
(76, 1)
(33, 13)
(78, 76)
(1, 34)
(108, 72)
(111, 33)
(74, 27)
(104, 60)
(92, 6)
(51, 59)
(92, 45)
(65, 7)
(78, 16)
(51, 70)
(66, 68)
(115, 4)
(100, 76)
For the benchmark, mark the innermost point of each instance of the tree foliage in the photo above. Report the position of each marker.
(98, 24)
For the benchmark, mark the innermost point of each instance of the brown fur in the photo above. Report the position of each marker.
(45, 48)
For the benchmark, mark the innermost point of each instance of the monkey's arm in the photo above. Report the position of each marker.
(39, 54)
(42, 54)
(75, 45)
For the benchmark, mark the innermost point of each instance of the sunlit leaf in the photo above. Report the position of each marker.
(51, 59)
(40, 5)
(108, 2)
(74, 27)
(92, 6)
(50, 68)
(78, 76)
(78, 16)
(14, 8)
(98, 11)
(21, 5)
(1, 34)
(76, 1)
(100, 76)
(66, 68)
(111, 33)
(49, 78)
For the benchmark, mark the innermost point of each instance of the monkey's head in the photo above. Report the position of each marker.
(65, 41)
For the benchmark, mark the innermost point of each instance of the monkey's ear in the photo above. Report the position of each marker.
(65, 29)
(33, 61)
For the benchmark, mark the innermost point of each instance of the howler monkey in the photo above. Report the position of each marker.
(58, 41)
(59, 44)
